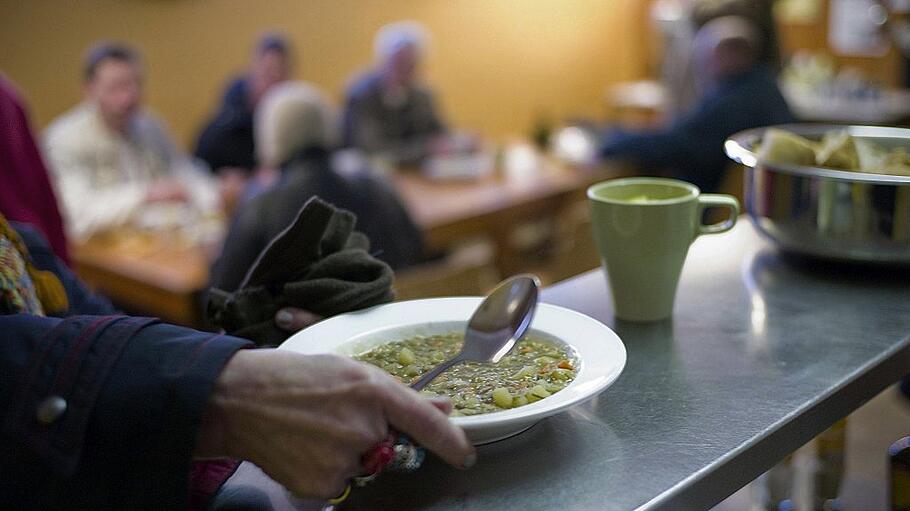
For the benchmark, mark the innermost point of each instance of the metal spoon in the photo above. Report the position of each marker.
(500, 320)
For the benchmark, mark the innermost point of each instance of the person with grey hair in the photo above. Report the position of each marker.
(295, 130)
(739, 93)
(388, 111)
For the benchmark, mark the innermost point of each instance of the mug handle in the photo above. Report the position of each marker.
(713, 200)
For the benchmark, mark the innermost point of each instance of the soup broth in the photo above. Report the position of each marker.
(533, 370)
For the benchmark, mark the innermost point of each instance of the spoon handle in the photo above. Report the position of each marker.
(431, 375)
(375, 453)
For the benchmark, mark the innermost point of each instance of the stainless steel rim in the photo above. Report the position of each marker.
(739, 148)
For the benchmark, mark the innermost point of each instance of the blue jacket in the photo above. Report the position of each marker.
(227, 140)
(98, 410)
(692, 148)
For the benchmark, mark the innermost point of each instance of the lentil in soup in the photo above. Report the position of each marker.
(532, 371)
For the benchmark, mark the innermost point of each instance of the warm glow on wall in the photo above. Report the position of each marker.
(494, 63)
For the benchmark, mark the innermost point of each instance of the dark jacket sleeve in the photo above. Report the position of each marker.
(693, 147)
(247, 236)
(102, 412)
(653, 150)
(391, 228)
(81, 299)
(695, 140)
(227, 139)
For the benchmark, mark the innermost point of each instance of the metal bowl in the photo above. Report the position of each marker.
(826, 213)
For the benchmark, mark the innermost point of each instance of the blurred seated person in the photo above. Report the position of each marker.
(227, 142)
(110, 158)
(679, 20)
(739, 93)
(295, 131)
(759, 12)
(26, 195)
(388, 112)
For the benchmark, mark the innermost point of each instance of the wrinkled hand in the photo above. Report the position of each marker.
(292, 319)
(308, 420)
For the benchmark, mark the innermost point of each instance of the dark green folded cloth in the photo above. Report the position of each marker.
(319, 263)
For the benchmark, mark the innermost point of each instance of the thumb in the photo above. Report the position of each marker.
(292, 319)
(443, 404)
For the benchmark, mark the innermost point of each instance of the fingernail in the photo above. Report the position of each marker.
(470, 460)
(284, 318)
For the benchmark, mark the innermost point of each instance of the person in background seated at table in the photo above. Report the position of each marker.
(105, 411)
(739, 93)
(678, 72)
(110, 157)
(295, 131)
(26, 194)
(226, 142)
(388, 112)
(759, 12)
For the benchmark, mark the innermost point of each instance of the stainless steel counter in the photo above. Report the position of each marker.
(761, 355)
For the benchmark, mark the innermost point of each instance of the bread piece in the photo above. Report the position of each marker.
(782, 147)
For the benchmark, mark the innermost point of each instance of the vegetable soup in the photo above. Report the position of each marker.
(532, 371)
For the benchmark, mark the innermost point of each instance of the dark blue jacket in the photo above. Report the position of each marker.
(227, 140)
(134, 391)
(394, 238)
(692, 148)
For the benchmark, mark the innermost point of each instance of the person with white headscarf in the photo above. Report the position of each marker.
(296, 131)
(388, 112)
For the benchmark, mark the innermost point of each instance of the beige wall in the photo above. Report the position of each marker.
(495, 63)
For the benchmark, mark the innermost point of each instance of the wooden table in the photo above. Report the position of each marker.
(449, 212)
(156, 277)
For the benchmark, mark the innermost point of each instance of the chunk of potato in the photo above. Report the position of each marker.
(406, 357)
(502, 397)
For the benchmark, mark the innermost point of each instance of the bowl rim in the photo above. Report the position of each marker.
(739, 148)
(585, 386)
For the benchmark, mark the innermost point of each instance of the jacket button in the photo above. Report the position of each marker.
(51, 409)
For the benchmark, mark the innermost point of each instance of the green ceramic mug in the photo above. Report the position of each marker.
(643, 227)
